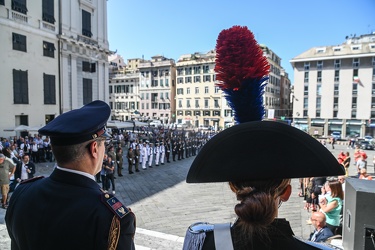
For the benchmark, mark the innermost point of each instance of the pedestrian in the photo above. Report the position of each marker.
(157, 154)
(321, 232)
(7, 169)
(261, 184)
(167, 150)
(130, 157)
(137, 156)
(162, 152)
(144, 153)
(150, 155)
(68, 210)
(24, 170)
(119, 161)
(109, 173)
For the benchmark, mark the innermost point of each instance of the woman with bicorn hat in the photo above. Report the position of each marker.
(280, 152)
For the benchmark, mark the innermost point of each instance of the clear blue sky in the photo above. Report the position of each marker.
(171, 28)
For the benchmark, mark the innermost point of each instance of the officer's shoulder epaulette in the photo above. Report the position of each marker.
(114, 205)
(196, 235)
(32, 179)
(201, 227)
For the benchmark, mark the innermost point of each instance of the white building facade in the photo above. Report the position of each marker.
(334, 87)
(84, 52)
(29, 64)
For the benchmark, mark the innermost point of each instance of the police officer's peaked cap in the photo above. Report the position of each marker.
(78, 125)
(262, 150)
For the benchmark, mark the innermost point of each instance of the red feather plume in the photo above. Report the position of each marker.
(238, 58)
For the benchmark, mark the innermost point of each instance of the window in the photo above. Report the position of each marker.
(188, 79)
(355, 62)
(355, 74)
(307, 66)
(197, 79)
(87, 91)
(49, 84)
(19, 6)
(206, 90)
(180, 80)
(161, 83)
(319, 64)
(187, 90)
(337, 63)
(166, 82)
(196, 103)
(216, 103)
(86, 23)
(337, 75)
(167, 95)
(317, 114)
(206, 68)
(305, 113)
(335, 103)
(305, 102)
(318, 102)
(197, 69)
(180, 103)
(335, 113)
(188, 71)
(2, 2)
(180, 71)
(207, 78)
(217, 89)
(319, 76)
(355, 89)
(48, 49)
(48, 9)
(206, 103)
(180, 91)
(306, 90)
(336, 89)
(354, 114)
(354, 102)
(20, 87)
(88, 67)
(19, 42)
(188, 103)
(337, 49)
(306, 78)
(318, 89)
(196, 90)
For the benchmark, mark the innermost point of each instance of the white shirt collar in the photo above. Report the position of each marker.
(77, 172)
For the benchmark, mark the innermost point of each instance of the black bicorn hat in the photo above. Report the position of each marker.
(262, 150)
(254, 149)
(79, 125)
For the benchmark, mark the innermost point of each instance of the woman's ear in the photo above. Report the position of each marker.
(286, 194)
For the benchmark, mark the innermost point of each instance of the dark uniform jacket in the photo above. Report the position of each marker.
(280, 238)
(64, 211)
(18, 172)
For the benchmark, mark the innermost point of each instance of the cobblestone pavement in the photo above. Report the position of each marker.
(165, 205)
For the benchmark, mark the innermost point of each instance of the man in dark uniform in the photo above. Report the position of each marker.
(68, 210)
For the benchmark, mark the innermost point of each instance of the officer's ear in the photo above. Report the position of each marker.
(93, 148)
(286, 194)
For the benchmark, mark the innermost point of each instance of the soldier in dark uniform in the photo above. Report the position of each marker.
(68, 210)
(259, 180)
(167, 150)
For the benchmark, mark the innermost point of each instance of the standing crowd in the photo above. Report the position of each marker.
(324, 196)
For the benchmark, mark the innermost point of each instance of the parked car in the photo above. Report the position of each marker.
(368, 138)
(336, 135)
(366, 145)
(155, 123)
